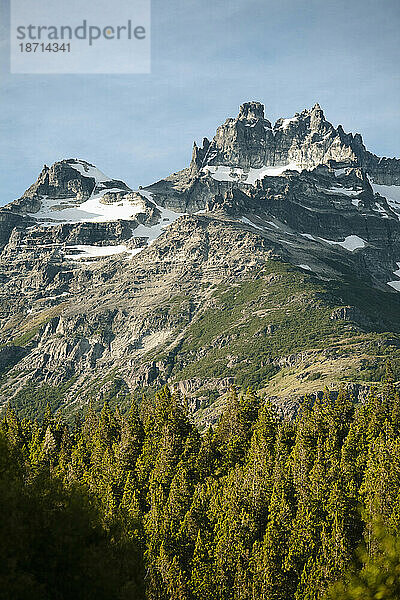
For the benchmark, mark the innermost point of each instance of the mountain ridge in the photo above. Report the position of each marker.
(98, 278)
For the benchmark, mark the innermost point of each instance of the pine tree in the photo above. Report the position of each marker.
(271, 579)
(202, 580)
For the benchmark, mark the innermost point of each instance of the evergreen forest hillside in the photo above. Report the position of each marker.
(142, 506)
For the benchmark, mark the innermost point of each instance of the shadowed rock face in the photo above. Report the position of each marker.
(251, 111)
(72, 311)
(9, 220)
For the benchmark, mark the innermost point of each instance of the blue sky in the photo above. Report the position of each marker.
(207, 58)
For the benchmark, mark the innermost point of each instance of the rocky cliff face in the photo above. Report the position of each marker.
(71, 178)
(303, 141)
(240, 267)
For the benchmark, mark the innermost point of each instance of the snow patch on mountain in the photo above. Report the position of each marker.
(340, 190)
(377, 207)
(88, 170)
(391, 193)
(87, 251)
(92, 210)
(167, 217)
(351, 242)
(247, 222)
(67, 210)
(248, 176)
(395, 284)
(286, 122)
(273, 224)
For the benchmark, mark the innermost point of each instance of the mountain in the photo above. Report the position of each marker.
(304, 141)
(271, 260)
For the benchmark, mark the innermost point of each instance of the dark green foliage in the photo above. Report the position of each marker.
(142, 506)
(54, 541)
(373, 577)
(31, 400)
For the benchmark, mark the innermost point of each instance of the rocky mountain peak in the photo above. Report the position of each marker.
(317, 117)
(95, 276)
(303, 141)
(317, 110)
(68, 181)
(251, 111)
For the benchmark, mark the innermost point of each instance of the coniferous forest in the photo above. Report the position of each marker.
(142, 505)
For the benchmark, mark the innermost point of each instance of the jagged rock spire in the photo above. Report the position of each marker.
(251, 111)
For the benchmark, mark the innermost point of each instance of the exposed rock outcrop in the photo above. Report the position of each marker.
(99, 279)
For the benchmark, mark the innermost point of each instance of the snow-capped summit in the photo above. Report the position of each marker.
(80, 206)
(313, 182)
(71, 179)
